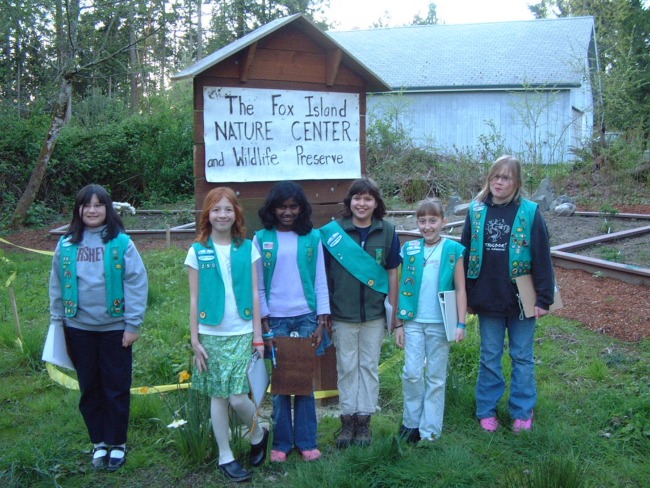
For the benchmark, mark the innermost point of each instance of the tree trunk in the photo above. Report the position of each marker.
(59, 121)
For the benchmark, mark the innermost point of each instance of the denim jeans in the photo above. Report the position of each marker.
(426, 352)
(302, 429)
(491, 384)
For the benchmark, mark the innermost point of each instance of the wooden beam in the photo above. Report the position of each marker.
(248, 62)
(334, 57)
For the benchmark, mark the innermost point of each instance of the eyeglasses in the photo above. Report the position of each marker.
(504, 178)
(91, 206)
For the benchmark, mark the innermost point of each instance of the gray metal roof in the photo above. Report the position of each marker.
(374, 83)
(490, 55)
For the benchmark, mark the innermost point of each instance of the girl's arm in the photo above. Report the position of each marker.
(56, 301)
(257, 321)
(393, 289)
(136, 291)
(399, 333)
(461, 297)
(200, 355)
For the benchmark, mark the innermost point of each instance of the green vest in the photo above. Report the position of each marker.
(349, 254)
(306, 256)
(520, 259)
(412, 269)
(212, 291)
(113, 274)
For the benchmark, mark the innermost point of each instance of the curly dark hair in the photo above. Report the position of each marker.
(114, 224)
(281, 192)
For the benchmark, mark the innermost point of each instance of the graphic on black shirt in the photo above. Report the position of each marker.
(497, 233)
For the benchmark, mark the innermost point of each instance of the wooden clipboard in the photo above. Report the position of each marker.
(296, 361)
(528, 296)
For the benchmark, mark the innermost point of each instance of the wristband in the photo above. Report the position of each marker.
(460, 325)
(267, 336)
(398, 326)
(258, 344)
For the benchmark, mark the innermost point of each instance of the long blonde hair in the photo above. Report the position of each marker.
(505, 163)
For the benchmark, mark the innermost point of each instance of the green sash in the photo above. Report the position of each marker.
(354, 258)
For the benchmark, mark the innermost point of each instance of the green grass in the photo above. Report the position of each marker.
(592, 424)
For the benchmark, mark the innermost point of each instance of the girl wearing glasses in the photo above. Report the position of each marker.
(506, 237)
(98, 293)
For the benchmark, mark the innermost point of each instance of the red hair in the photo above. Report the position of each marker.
(214, 196)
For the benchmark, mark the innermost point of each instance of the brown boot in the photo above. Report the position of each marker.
(346, 434)
(362, 435)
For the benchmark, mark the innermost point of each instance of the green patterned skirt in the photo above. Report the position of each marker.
(228, 360)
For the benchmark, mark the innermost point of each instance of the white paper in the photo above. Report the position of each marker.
(54, 350)
(447, 301)
(258, 378)
(389, 314)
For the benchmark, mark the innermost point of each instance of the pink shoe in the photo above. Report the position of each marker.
(521, 425)
(278, 456)
(490, 424)
(311, 455)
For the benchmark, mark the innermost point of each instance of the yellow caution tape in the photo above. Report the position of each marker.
(70, 383)
(38, 251)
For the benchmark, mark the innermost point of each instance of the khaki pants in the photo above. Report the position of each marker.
(358, 346)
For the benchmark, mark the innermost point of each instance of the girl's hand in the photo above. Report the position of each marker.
(540, 312)
(260, 350)
(129, 338)
(328, 323)
(200, 356)
(317, 335)
(399, 336)
(460, 334)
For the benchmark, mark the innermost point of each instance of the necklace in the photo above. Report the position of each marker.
(435, 246)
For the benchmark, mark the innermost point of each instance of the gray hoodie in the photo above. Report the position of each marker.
(92, 313)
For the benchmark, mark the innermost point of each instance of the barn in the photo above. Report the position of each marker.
(529, 86)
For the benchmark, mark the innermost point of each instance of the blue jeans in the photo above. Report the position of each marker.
(302, 429)
(491, 384)
(426, 352)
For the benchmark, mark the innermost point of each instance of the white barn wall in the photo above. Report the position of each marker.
(448, 120)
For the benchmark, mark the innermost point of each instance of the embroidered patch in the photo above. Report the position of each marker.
(334, 239)
(268, 245)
